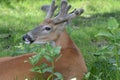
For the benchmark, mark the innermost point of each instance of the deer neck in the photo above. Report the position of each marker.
(64, 41)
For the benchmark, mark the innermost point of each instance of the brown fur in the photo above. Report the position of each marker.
(71, 64)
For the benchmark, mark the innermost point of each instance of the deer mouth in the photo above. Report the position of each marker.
(27, 39)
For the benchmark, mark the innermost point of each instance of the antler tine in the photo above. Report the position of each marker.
(52, 8)
(45, 8)
(67, 9)
(75, 13)
(69, 16)
(62, 7)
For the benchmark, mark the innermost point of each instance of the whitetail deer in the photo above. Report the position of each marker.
(70, 65)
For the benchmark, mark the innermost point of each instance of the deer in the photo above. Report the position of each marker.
(52, 30)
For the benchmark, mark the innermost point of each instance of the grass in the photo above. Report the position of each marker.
(17, 18)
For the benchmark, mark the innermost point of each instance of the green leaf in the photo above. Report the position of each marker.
(48, 57)
(119, 52)
(112, 24)
(112, 60)
(42, 68)
(104, 34)
(43, 65)
(45, 68)
(58, 75)
(48, 69)
(36, 69)
(117, 35)
(33, 49)
(87, 75)
(34, 59)
(57, 50)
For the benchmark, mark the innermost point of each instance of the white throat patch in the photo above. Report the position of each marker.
(38, 42)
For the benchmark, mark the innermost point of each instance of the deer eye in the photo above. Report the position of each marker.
(47, 28)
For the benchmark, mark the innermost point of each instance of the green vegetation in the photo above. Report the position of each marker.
(110, 52)
(51, 55)
(101, 53)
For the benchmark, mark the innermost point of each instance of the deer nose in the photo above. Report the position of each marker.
(27, 39)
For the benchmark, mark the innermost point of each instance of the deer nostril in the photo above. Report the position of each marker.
(27, 38)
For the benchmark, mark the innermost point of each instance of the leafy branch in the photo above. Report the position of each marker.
(51, 54)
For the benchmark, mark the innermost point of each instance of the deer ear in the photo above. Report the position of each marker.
(45, 8)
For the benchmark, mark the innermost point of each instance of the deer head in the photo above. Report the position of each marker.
(50, 29)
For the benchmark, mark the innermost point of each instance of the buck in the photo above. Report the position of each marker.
(71, 64)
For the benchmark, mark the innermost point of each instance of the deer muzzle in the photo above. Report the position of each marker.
(27, 39)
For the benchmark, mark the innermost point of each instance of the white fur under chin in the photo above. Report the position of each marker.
(52, 43)
(38, 42)
(27, 42)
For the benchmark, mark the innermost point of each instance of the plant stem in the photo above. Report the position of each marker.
(117, 59)
(49, 77)
(117, 63)
(52, 75)
(53, 69)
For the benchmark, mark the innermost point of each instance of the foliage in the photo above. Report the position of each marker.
(23, 49)
(113, 46)
(51, 55)
(109, 53)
